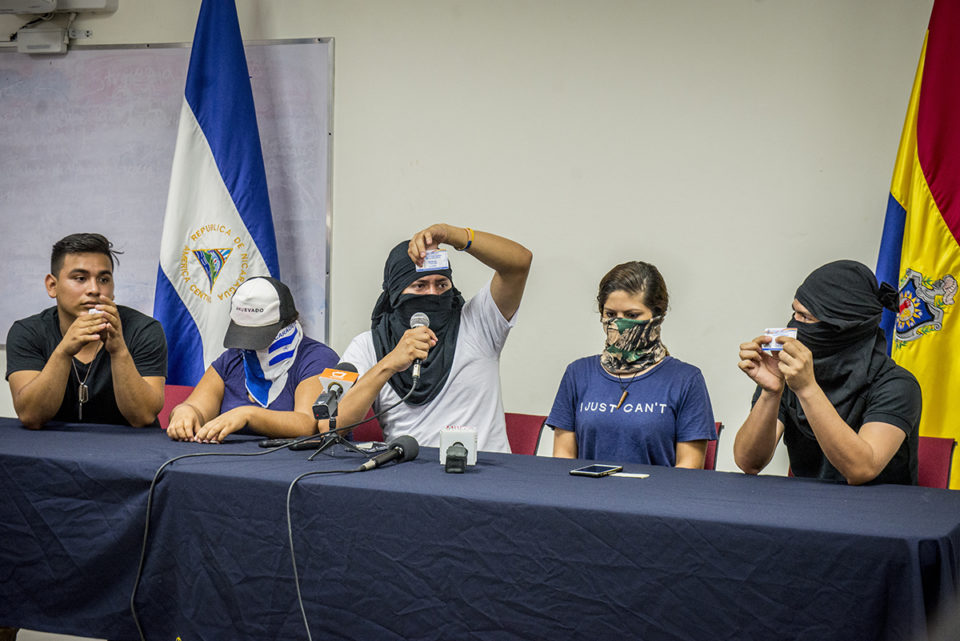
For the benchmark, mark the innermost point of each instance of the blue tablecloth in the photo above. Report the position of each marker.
(516, 548)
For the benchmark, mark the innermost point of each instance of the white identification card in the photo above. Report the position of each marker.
(774, 346)
(434, 260)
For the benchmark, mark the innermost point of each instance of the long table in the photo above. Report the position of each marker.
(516, 548)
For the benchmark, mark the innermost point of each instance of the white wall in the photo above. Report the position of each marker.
(736, 144)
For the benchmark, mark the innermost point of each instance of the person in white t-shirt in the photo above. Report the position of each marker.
(459, 382)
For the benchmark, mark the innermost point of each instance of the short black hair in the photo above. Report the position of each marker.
(86, 243)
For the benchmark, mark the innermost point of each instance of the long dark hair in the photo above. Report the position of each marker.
(636, 277)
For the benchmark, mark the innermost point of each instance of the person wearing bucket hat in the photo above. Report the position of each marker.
(845, 410)
(266, 381)
(459, 343)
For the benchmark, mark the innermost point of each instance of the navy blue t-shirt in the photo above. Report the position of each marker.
(312, 358)
(666, 405)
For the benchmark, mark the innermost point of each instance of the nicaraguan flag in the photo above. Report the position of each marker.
(920, 249)
(218, 229)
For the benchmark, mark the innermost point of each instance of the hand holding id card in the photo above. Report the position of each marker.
(434, 260)
(774, 332)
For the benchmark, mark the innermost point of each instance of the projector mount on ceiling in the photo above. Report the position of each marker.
(43, 35)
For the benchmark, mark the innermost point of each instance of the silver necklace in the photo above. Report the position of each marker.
(83, 391)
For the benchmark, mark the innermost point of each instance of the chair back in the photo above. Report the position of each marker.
(710, 458)
(523, 432)
(369, 431)
(934, 459)
(173, 395)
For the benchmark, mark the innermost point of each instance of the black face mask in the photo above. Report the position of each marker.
(391, 318)
(438, 307)
(848, 347)
(823, 338)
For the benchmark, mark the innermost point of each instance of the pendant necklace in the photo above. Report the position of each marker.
(83, 392)
(624, 388)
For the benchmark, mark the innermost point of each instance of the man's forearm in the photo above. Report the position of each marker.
(846, 451)
(511, 262)
(137, 400)
(757, 438)
(504, 256)
(39, 400)
(359, 399)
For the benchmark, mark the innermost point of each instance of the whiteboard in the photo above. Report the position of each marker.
(86, 145)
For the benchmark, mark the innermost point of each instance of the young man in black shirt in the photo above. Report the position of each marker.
(87, 359)
(846, 411)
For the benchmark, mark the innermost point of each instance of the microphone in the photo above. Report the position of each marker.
(338, 380)
(418, 320)
(404, 448)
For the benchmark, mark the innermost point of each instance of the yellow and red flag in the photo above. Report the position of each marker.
(920, 249)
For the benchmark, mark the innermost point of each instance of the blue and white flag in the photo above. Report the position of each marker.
(218, 228)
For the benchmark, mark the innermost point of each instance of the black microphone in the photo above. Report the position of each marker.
(418, 320)
(338, 380)
(404, 448)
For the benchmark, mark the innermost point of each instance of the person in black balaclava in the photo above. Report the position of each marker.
(846, 411)
(459, 346)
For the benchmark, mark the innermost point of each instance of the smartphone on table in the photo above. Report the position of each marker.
(597, 470)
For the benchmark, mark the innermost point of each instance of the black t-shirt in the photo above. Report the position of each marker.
(31, 342)
(894, 397)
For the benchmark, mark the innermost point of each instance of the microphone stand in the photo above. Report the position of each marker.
(332, 437)
(326, 443)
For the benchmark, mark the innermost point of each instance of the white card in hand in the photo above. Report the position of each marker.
(434, 260)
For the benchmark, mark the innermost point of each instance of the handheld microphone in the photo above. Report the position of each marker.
(404, 448)
(338, 380)
(418, 320)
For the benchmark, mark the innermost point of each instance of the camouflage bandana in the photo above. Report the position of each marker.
(632, 345)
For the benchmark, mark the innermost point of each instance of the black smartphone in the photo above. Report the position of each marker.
(596, 471)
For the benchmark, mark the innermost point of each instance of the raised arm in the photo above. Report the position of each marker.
(509, 260)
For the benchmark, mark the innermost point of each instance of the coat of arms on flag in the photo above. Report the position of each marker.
(922, 305)
(212, 261)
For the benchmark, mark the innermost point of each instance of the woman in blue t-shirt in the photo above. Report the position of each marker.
(633, 403)
(266, 381)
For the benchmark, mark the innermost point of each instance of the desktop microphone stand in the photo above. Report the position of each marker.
(334, 438)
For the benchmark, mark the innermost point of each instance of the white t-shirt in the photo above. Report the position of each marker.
(471, 396)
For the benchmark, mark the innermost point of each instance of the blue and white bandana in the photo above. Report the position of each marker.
(266, 369)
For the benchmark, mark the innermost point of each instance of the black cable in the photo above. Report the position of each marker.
(156, 477)
(45, 17)
(293, 554)
(146, 524)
